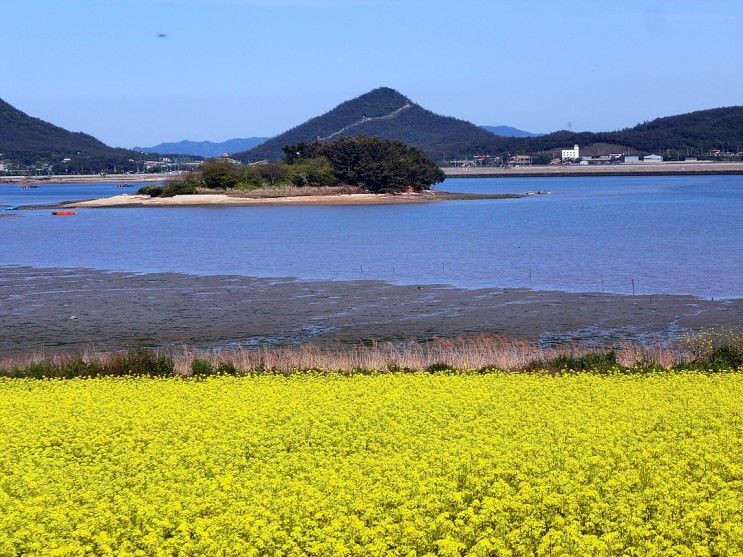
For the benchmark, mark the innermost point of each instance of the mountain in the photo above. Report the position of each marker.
(26, 140)
(204, 148)
(508, 131)
(716, 128)
(383, 113)
(386, 113)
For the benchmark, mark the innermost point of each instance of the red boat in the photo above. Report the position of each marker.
(64, 213)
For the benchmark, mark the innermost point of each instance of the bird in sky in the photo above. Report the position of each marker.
(161, 35)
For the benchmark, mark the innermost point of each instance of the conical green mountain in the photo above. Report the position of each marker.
(383, 113)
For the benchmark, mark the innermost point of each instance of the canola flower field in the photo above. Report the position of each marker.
(395, 464)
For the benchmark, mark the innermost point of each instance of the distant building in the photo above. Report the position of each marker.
(652, 158)
(226, 157)
(599, 159)
(571, 154)
(631, 159)
(519, 160)
(691, 159)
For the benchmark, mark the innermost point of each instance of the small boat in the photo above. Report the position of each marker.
(64, 213)
(27, 187)
(124, 185)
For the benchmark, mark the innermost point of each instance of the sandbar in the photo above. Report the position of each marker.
(221, 199)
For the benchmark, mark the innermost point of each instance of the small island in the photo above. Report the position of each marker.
(347, 170)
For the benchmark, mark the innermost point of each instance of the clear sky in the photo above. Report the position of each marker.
(240, 68)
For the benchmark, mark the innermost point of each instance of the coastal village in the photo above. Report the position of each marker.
(575, 156)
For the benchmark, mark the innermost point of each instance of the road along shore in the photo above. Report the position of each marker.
(87, 178)
(660, 169)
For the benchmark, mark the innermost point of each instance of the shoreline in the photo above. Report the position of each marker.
(661, 169)
(84, 179)
(61, 310)
(668, 168)
(225, 200)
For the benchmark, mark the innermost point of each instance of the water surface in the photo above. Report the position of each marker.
(681, 234)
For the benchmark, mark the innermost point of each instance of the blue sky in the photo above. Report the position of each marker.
(238, 68)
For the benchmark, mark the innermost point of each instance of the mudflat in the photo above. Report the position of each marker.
(64, 310)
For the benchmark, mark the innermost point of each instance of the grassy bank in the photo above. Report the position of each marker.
(497, 464)
(707, 352)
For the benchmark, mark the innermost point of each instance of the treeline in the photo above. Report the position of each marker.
(373, 164)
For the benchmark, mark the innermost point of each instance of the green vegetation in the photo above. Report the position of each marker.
(372, 164)
(181, 186)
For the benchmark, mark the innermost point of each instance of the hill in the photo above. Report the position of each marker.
(388, 114)
(26, 140)
(695, 132)
(203, 148)
(509, 131)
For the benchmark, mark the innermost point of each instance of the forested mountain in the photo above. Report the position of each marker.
(25, 140)
(204, 148)
(388, 114)
(509, 131)
(697, 132)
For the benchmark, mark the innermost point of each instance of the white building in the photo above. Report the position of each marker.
(571, 154)
(652, 158)
(631, 159)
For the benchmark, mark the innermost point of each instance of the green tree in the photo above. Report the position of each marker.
(381, 165)
(219, 173)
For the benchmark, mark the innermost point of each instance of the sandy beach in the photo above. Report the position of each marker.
(220, 199)
(73, 309)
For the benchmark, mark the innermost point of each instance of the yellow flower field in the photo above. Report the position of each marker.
(419, 464)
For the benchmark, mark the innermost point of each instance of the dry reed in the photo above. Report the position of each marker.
(484, 351)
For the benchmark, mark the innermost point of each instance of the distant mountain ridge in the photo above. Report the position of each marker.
(385, 113)
(203, 148)
(509, 131)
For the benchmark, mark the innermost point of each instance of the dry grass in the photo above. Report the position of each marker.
(463, 353)
(458, 353)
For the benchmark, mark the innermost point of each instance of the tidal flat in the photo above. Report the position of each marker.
(64, 310)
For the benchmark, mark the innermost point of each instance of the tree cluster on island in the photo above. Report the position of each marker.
(371, 164)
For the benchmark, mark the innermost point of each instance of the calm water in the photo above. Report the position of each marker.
(668, 234)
